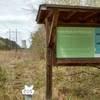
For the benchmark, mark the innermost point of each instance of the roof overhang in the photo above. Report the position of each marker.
(70, 15)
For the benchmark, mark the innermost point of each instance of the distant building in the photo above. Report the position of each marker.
(24, 44)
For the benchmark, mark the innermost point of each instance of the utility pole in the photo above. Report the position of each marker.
(6, 41)
(15, 36)
(16, 40)
(10, 37)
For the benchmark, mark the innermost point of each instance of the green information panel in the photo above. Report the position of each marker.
(75, 42)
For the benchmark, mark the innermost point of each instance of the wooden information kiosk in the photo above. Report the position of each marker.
(72, 37)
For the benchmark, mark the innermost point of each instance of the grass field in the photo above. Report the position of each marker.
(22, 68)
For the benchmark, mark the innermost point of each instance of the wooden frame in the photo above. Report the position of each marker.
(63, 15)
(69, 16)
(94, 62)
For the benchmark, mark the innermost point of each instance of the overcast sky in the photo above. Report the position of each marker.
(13, 15)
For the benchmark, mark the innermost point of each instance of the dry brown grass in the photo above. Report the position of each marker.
(22, 68)
(68, 83)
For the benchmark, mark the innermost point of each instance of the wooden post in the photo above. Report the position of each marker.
(49, 75)
(48, 65)
(50, 33)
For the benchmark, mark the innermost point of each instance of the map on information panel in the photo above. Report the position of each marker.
(78, 42)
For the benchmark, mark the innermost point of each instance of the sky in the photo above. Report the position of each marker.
(18, 15)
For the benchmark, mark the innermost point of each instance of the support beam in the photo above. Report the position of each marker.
(71, 15)
(48, 65)
(50, 14)
(78, 62)
(70, 24)
(53, 25)
(90, 15)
